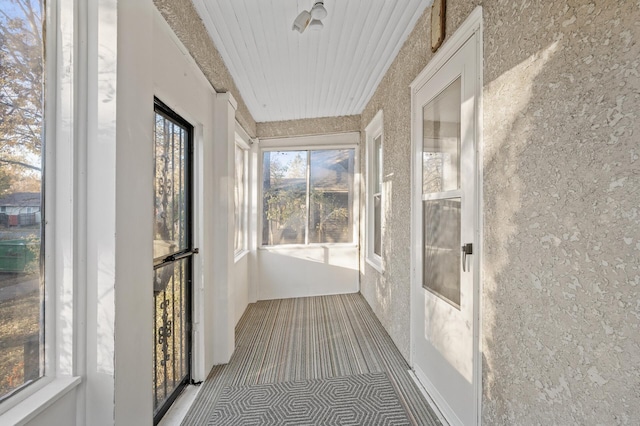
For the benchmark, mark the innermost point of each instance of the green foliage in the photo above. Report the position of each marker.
(329, 209)
(285, 202)
(33, 255)
(283, 199)
(5, 182)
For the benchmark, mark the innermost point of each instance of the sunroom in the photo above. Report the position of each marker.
(430, 203)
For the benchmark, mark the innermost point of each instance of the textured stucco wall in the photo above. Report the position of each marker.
(309, 126)
(388, 293)
(187, 25)
(562, 227)
(562, 236)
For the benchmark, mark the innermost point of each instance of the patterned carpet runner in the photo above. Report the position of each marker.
(308, 339)
(363, 399)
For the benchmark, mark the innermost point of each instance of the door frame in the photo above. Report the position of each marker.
(471, 26)
(188, 253)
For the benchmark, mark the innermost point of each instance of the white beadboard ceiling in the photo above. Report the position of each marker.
(285, 75)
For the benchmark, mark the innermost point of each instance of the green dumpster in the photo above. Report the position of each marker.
(15, 255)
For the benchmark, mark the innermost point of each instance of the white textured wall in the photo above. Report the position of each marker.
(132, 201)
(179, 84)
(562, 231)
(241, 292)
(61, 412)
(316, 270)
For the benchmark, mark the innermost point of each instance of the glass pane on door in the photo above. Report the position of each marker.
(170, 328)
(441, 141)
(442, 253)
(441, 211)
(170, 234)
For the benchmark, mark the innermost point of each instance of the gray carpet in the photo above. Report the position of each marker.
(293, 340)
(363, 399)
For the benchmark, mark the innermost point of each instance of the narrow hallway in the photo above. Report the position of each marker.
(307, 339)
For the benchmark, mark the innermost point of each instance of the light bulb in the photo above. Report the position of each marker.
(316, 25)
(318, 11)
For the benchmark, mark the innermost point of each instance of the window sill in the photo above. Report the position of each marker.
(237, 257)
(375, 264)
(308, 246)
(36, 403)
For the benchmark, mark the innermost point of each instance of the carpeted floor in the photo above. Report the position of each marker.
(297, 340)
(360, 399)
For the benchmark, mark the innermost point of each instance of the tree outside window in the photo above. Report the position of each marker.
(21, 129)
(308, 197)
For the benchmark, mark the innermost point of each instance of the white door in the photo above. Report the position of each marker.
(445, 281)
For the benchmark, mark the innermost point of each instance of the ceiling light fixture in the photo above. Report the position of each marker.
(302, 22)
(310, 19)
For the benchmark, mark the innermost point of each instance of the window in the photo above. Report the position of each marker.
(308, 196)
(241, 196)
(21, 159)
(374, 203)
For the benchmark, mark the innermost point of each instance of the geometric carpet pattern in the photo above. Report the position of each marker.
(363, 399)
(307, 339)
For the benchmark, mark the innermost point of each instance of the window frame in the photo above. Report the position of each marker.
(61, 159)
(336, 141)
(374, 129)
(242, 141)
(18, 394)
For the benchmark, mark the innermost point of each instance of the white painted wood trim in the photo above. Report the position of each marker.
(224, 145)
(37, 403)
(427, 397)
(159, 20)
(243, 139)
(479, 258)
(238, 256)
(374, 129)
(469, 27)
(287, 247)
(446, 415)
(254, 219)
